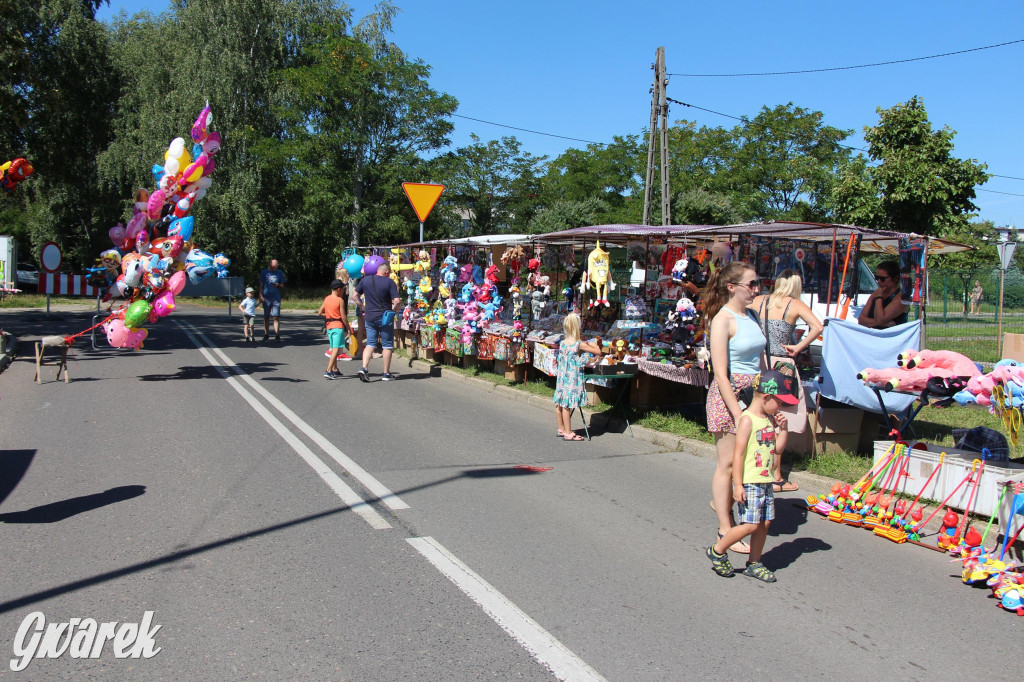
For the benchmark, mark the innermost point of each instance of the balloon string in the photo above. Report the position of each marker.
(71, 339)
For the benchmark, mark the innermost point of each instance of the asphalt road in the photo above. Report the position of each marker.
(281, 526)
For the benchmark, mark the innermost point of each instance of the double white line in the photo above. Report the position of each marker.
(349, 496)
(542, 645)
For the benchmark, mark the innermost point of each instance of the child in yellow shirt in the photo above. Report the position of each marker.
(758, 443)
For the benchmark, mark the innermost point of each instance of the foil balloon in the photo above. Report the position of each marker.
(155, 205)
(117, 234)
(119, 336)
(176, 282)
(137, 314)
(198, 265)
(201, 128)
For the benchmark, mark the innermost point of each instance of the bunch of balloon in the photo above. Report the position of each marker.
(155, 253)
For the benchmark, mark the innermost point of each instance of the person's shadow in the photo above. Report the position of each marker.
(788, 519)
(59, 511)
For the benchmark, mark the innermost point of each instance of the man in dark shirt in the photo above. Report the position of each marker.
(378, 295)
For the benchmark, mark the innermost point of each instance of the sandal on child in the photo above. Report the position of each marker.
(758, 570)
(784, 486)
(720, 563)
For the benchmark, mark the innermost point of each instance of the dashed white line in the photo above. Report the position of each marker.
(541, 644)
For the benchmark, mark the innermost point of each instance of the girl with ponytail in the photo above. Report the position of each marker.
(736, 343)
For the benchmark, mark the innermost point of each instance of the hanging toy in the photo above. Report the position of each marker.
(598, 276)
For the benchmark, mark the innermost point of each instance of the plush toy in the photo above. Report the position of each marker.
(513, 260)
(537, 304)
(899, 379)
(960, 365)
(397, 265)
(449, 274)
(598, 276)
(422, 264)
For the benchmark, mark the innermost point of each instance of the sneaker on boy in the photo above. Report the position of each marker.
(387, 376)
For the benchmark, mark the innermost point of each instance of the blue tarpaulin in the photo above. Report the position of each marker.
(848, 348)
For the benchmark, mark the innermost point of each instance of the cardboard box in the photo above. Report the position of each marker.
(1013, 346)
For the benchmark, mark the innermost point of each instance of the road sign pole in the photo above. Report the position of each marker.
(421, 232)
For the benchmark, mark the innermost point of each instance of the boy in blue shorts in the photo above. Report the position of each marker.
(758, 443)
(335, 312)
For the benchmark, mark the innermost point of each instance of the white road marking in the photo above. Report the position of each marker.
(393, 501)
(333, 481)
(548, 651)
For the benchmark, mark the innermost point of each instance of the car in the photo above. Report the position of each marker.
(28, 275)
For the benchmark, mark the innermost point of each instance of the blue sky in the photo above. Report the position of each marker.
(582, 69)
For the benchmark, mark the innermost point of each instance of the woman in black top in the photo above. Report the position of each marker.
(884, 307)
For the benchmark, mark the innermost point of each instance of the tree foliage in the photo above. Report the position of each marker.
(916, 184)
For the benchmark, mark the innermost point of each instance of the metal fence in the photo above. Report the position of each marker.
(953, 325)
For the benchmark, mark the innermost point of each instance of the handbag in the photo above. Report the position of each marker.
(796, 415)
(388, 318)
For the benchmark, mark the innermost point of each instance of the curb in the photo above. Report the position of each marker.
(672, 443)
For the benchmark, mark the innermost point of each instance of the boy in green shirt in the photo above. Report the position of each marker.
(758, 443)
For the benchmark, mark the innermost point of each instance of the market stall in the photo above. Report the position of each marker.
(501, 299)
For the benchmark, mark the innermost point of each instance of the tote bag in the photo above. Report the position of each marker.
(796, 415)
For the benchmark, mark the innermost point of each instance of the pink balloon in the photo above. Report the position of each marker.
(212, 144)
(138, 222)
(176, 283)
(119, 336)
(156, 204)
(164, 304)
(117, 234)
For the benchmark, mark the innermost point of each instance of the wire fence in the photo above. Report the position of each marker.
(955, 322)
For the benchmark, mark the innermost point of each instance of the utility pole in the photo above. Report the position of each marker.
(659, 133)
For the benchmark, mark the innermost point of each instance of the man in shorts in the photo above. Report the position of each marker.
(378, 295)
(272, 281)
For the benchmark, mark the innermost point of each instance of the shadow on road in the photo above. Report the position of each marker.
(13, 465)
(58, 511)
(781, 556)
(160, 561)
(790, 514)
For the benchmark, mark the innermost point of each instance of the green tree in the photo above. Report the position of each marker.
(565, 215)
(916, 184)
(612, 174)
(495, 184)
(787, 159)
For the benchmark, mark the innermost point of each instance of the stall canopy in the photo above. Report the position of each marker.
(879, 241)
(482, 240)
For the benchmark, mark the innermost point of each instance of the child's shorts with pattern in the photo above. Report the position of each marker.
(760, 504)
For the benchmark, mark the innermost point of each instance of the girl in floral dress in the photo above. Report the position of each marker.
(569, 389)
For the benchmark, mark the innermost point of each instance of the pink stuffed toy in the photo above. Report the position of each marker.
(904, 380)
(960, 365)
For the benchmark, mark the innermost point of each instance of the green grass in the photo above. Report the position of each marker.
(841, 466)
(39, 300)
(673, 423)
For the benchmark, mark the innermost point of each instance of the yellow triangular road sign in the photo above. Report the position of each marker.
(422, 197)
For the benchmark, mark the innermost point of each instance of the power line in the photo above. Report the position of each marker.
(844, 68)
(527, 130)
(742, 119)
(992, 191)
